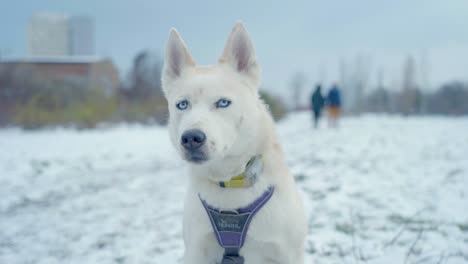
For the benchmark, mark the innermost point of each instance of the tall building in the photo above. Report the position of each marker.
(48, 35)
(59, 35)
(81, 36)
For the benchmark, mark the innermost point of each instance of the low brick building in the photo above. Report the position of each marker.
(85, 72)
(19, 78)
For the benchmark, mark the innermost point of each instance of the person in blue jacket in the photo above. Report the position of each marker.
(334, 105)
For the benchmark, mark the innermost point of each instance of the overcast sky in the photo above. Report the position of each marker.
(308, 36)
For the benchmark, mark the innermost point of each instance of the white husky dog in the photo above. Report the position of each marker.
(218, 124)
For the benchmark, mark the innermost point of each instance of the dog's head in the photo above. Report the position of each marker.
(213, 109)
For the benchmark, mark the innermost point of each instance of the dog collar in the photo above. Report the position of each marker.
(253, 168)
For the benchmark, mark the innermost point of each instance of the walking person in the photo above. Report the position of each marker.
(334, 105)
(317, 101)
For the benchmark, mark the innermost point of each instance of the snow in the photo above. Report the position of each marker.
(380, 189)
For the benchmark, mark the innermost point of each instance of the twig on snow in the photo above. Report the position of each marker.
(411, 249)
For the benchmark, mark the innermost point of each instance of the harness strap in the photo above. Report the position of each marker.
(231, 256)
(231, 226)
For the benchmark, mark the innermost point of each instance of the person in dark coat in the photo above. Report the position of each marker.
(334, 105)
(317, 101)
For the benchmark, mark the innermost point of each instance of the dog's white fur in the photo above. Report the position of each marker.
(234, 135)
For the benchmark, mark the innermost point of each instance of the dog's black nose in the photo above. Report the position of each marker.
(192, 139)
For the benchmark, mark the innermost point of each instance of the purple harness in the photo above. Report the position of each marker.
(231, 226)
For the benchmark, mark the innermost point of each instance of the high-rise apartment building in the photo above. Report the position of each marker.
(59, 35)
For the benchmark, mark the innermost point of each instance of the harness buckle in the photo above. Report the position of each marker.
(232, 259)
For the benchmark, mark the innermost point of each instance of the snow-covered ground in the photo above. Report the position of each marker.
(378, 190)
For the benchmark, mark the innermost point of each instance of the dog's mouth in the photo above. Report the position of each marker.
(197, 157)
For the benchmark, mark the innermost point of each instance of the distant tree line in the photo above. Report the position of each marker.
(450, 99)
(411, 99)
(31, 100)
(407, 95)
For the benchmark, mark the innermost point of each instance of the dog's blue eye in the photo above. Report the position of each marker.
(182, 105)
(223, 103)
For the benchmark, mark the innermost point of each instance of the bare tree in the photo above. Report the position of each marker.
(411, 98)
(358, 80)
(346, 86)
(409, 74)
(424, 73)
(297, 85)
(378, 100)
(144, 78)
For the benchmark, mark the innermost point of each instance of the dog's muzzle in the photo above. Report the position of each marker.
(192, 141)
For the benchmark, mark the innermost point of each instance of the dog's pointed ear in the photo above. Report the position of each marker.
(177, 58)
(239, 53)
